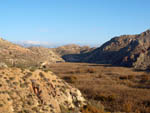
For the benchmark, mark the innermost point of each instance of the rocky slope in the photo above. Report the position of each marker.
(15, 55)
(46, 54)
(23, 91)
(126, 50)
(72, 52)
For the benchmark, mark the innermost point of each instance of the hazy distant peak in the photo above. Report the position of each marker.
(30, 43)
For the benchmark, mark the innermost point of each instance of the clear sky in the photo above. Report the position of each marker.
(72, 21)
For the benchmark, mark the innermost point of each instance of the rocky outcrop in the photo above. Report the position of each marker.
(126, 50)
(33, 92)
(3, 65)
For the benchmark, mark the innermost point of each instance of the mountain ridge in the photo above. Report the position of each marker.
(123, 50)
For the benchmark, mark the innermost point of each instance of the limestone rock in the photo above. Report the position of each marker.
(44, 92)
(3, 65)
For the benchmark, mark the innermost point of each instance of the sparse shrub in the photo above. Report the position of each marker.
(32, 69)
(112, 97)
(36, 109)
(99, 76)
(29, 74)
(24, 85)
(26, 111)
(91, 109)
(137, 111)
(45, 69)
(90, 70)
(64, 109)
(70, 79)
(145, 78)
(8, 81)
(21, 66)
(53, 80)
(72, 72)
(147, 109)
(15, 83)
(1, 105)
(101, 97)
(11, 78)
(76, 71)
(80, 70)
(130, 77)
(123, 77)
(30, 102)
(127, 106)
(22, 69)
(104, 97)
(127, 77)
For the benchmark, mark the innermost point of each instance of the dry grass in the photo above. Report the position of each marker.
(117, 88)
(70, 79)
(91, 109)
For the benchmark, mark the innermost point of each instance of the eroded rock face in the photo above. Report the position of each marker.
(43, 92)
(126, 50)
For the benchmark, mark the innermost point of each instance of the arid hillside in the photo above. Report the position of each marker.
(126, 50)
(46, 54)
(15, 55)
(23, 91)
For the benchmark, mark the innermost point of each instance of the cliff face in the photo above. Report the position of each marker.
(38, 91)
(126, 50)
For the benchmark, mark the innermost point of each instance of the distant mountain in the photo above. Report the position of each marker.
(125, 50)
(71, 49)
(36, 44)
(72, 52)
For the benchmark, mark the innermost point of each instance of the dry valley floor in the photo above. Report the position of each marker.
(117, 88)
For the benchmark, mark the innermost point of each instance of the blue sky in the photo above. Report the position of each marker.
(72, 21)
